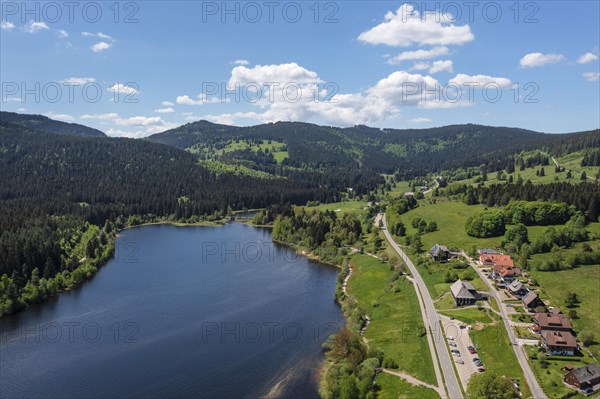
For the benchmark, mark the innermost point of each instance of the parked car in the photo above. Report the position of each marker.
(457, 354)
(470, 347)
(450, 338)
(452, 344)
(475, 359)
(481, 369)
(451, 318)
(472, 351)
(459, 361)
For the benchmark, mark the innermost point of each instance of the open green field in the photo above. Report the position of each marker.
(350, 206)
(396, 324)
(400, 188)
(472, 315)
(392, 387)
(585, 281)
(450, 217)
(434, 276)
(496, 353)
(550, 378)
(571, 162)
(275, 147)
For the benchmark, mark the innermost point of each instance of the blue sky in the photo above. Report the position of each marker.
(139, 68)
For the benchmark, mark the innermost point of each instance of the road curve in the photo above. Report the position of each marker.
(536, 390)
(447, 367)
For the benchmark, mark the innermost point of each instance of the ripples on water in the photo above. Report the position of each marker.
(192, 312)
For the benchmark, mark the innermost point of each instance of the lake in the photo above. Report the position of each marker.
(219, 312)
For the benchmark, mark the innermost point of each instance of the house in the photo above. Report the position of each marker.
(551, 322)
(559, 343)
(531, 301)
(586, 378)
(518, 289)
(503, 268)
(439, 253)
(463, 293)
(505, 274)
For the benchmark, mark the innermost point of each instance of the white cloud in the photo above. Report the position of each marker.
(420, 66)
(6, 25)
(419, 120)
(122, 89)
(22, 109)
(164, 110)
(277, 73)
(419, 55)
(140, 121)
(34, 26)
(98, 35)
(587, 58)
(591, 76)
(381, 102)
(63, 117)
(167, 103)
(77, 81)
(408, 27)
(241, 62)
(103, 36)
(439, 66)
(533, 60)
(110, 116)
(186, 100)
(478, 81)
(63, 34)
(100, 46)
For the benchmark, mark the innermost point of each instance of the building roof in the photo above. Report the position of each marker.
(559, 338)
(462, 289)
(489, 251)
(556, 310)
(529, 298)
(548, 321)
(496, 259)
(516, 286)
(587, 373)
(437, 248)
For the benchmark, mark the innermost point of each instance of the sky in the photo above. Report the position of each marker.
(132, 69)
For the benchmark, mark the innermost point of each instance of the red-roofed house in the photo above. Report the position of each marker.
(503, 268)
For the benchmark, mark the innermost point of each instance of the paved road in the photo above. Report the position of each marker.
(446, 360)
(536, 390)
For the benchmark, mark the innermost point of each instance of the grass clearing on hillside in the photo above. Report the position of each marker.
(472, 315)
(350, 206)
(450, 218)
(396, 323)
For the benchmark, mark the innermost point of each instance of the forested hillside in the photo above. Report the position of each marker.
(413, 152)
(47, 125)
(56, 189)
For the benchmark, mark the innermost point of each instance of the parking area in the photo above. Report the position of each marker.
(462, 341)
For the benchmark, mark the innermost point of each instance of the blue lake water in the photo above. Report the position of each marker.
(206, 312)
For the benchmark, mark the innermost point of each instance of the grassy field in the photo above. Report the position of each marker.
(434, 276)
(496, 353)
(350, 206)
(583, 280)
(472, 315)
(396, 322)
(392, 387)
(276, 148)
(450, 218)
(550, 377)
(572, 162)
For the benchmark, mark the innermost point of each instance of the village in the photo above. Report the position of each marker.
(539, 330)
